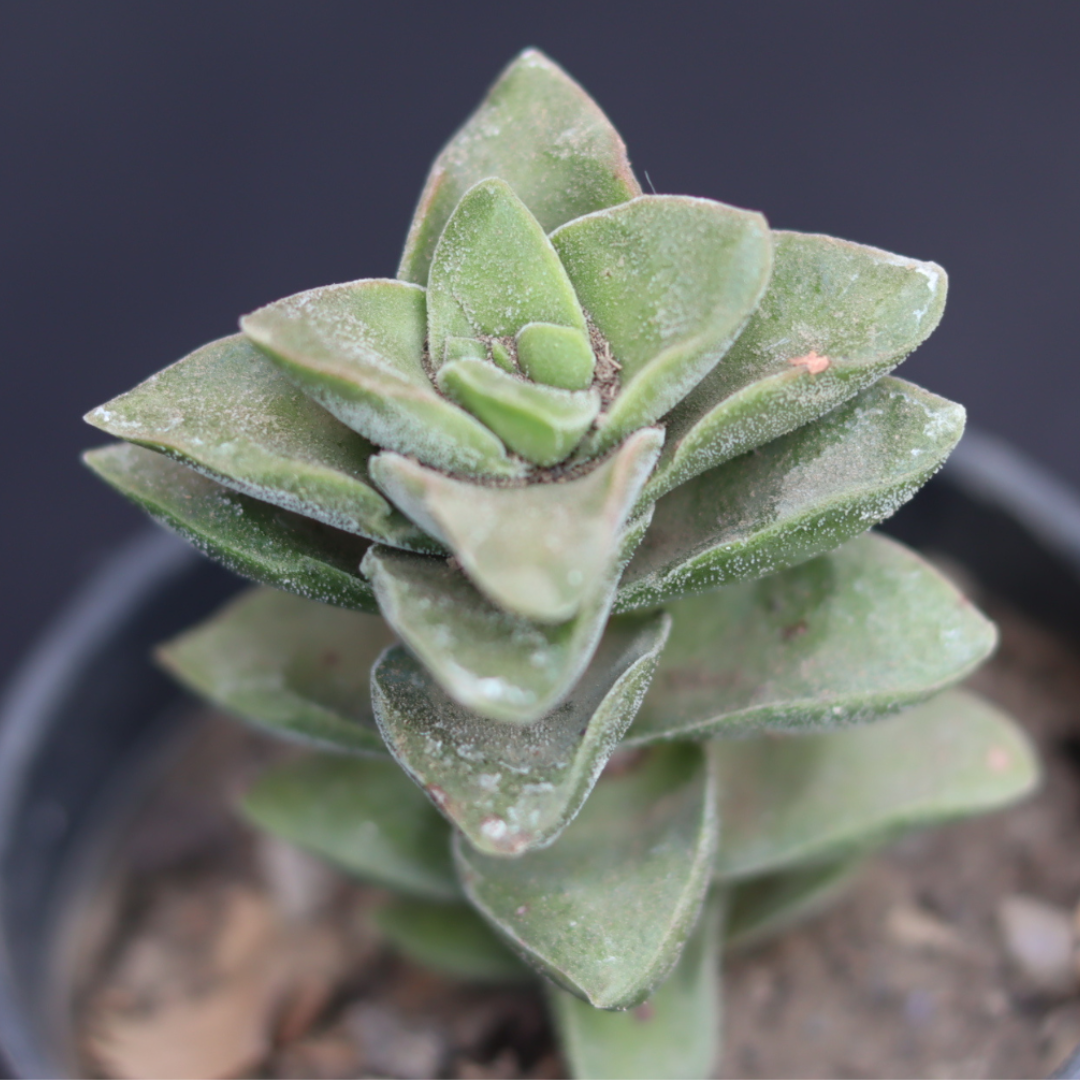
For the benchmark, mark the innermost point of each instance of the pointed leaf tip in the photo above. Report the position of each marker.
(538, 550)
(514, 788)
(259, 541)
(539, 131)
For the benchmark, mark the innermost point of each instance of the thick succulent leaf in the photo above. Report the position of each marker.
(537, 550)
(669, 281)
(843, 638)
(495, 271)
(835, 318)
(499, 665)
(298, 669)
(363, 815)
(513, 788)
(542, 134)
(556, 355)
(811, 798)
(799, 496)
(675, 1034)
(252, 538)
(605, 912)
(541, 423)
(227, 411)
(762, 906)
(452, 939)
(358, 350)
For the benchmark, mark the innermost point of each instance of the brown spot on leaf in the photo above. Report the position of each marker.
(813, 363)
(794, 630)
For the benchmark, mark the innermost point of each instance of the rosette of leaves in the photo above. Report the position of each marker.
(573, 598)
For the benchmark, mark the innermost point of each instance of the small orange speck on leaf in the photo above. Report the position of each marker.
(811, 361)
(997, 759)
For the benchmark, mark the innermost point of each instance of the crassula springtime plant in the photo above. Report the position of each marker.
(572, 595)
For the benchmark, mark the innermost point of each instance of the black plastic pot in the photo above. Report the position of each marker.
(84, 727)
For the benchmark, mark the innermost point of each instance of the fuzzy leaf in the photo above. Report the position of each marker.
(494, 272)
(542, 134)
(763, 906)
(814, 798)
(796, 497)
(496, 664)
(841, 639)
(296, 668)
(363, 815)
(358, 350)
(452, 939)
(540, 423)
(850, 313)
(675, 1034)
(226, 411)
(537, 550)
(513, 788)
(556, 355)
(606, 911)
(261, 542)
(669, 281)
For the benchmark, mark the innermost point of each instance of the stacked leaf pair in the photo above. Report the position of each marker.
(567, 522)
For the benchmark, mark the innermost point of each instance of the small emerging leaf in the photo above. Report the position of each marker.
(358, 350)
(841, 639)
(298, 669)
(669, 281)
(259, 541)
(835, 318)
(540, 423)
(556, 355)
(495, 271)
(513, 788)
(226, 411)
(796, 497)
(542, 134)
(762, 906)
(606, 911)
(537, 550)
(452, 939)
(363, 815)
(499, 665)
(814, 798)
(673, 1035)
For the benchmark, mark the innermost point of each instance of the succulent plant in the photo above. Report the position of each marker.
(573, 599)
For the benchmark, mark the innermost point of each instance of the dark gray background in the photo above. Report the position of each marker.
(165, 167)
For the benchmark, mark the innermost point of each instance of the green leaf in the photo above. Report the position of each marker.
(765, 905)
(499, 665)
(796, 497)
(358, 350)
(556, 355)
(857, 310)
(261, 542)
(363, 815)
(540, 423)
(675, 1034)
(513, 788)
(605, 912)
(669, 281)
(841, 639)
(227, 412)
(452, 939)
(536, 550)
(298, 669)
(494, 271)
(813, 798)
(542, 134)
